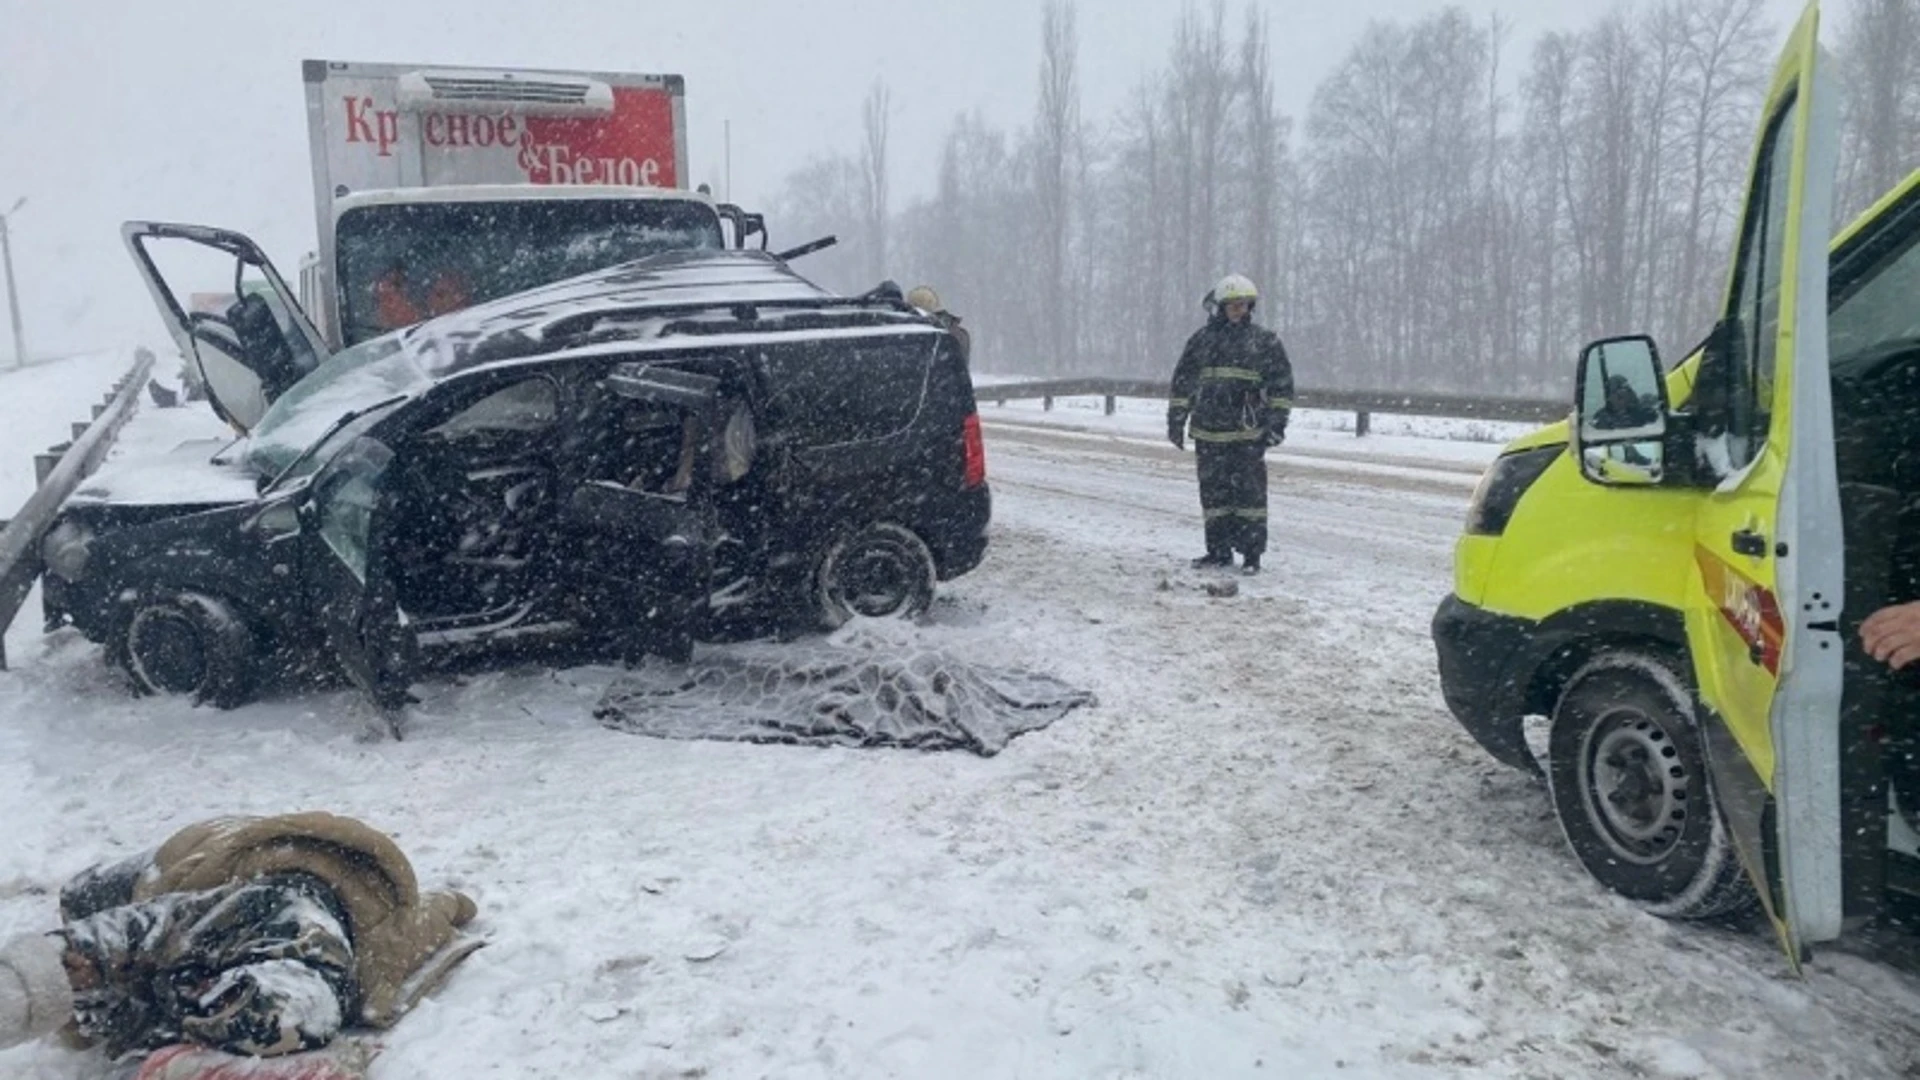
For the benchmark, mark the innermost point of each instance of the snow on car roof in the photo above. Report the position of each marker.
(642, 301)
(632, 308)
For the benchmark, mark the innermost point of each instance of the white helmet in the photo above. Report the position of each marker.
(1234, 287)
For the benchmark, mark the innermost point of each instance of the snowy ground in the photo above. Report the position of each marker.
(1309, 430)
(1267, 852)
(38, 407)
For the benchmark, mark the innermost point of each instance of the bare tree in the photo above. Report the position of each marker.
(826, 196)
(987, 216)
(1725, 61)
(1500, 276)
(1151, 211)
(1881, 51)
(875, 117)
(1209, 94)
(1549, 177)
(1610, 92)
(1663, 33)
(1264, 136)
(1055, 132)
(1397, 176)
(1425, 228)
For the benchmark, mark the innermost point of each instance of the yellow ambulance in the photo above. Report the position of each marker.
(1656, 603)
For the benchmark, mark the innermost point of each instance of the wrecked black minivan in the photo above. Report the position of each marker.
(616, 464)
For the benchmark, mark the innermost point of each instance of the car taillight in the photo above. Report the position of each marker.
(976, 453)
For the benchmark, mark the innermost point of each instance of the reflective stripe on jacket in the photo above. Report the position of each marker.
(1233, 383)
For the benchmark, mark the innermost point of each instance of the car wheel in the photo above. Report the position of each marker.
(1631, 788)
(189, 643)
(881, 571)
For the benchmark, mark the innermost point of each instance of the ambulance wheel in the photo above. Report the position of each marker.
(881, 571)
(191, 644)
(1633, 794)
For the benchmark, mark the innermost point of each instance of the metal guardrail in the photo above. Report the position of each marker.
(59, 472)
(1362, 403)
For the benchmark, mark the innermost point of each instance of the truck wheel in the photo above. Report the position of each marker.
(880, 571)
(1633, 794)
(189, 643)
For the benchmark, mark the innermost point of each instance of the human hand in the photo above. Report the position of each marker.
(1276, 436)
(1177, 434)
(1892, 635)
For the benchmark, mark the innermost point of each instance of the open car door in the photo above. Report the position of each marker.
(1764, 605)
(236, 323)
(639, 531)
(347, 519)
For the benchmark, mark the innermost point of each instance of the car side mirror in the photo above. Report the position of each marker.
(282, 520)
(1620, 413)
(306, 510)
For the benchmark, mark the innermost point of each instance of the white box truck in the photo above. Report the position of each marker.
(436, 188)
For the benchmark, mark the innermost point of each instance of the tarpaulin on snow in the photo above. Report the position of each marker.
(861, 687)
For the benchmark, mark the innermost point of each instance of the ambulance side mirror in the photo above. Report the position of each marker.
(1620, 413)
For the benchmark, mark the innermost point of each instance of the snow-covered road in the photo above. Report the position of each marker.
(1267, 852)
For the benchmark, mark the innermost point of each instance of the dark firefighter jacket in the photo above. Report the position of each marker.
(1233, 385)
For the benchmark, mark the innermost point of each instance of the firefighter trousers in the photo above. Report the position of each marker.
(1233, 495)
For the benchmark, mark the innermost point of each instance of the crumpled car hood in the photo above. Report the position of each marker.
(185, 476)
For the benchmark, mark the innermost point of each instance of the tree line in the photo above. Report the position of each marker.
(1435, 222)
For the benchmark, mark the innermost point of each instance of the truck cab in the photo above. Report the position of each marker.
(437, 188)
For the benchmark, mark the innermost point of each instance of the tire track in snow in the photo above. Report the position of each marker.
(1404, 474)
(1285, 453)
(1372, 516)
(1361, 813)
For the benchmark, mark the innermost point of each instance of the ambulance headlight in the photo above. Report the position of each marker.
(1502, 485)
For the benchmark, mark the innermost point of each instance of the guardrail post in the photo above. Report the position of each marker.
(1361, 404)
(44, 464)
(57, 473)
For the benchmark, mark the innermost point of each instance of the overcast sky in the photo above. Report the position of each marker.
(192, 110)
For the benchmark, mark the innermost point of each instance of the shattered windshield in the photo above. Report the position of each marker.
(331, 443)
(369, 373)
(405, 263)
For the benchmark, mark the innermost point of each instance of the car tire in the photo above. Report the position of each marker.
(881, 571)
(1633, 793)
(192, 644)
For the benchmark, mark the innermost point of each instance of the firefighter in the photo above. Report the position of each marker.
(1232, 391)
